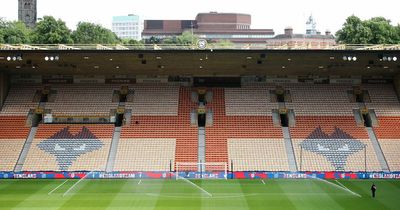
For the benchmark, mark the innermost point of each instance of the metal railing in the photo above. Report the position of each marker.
(211, 46)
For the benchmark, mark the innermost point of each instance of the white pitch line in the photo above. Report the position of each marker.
(140, 181)
(57, 187)
(66, 192)
(197, 186)
(335, 185)
(262, 181)
(346, 187)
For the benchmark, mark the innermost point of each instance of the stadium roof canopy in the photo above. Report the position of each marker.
(346, 60)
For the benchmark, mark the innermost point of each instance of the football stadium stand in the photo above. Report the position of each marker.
(20, 100)
(170, 127)
(13, 133)
(69, 148)
(324, 132)
(160, 100)
(70, 100)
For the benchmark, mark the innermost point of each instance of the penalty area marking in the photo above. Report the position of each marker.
(347, 188)
(57, 187)
(262, 181)
(197, 186)
(335, 185)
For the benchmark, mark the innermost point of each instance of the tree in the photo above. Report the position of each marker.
(223, 43)
(353, 32)
(153, 40)
(185, 39)
(139, 45)
(132, 42)
(377, 30)
(2, 26)
(382, 31)
(51, 31)
(90, 33)
(14, 33)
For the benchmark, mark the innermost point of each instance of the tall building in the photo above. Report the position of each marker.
(27, 12)
(212, 26)
(127, 27)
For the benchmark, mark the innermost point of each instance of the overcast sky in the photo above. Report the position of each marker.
(276, 14)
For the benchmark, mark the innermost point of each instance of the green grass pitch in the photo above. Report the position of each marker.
(200, 194)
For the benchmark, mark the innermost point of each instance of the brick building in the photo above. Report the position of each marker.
(211, 26)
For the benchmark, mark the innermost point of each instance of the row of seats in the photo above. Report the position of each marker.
(248, 101)
(69, 147)
(225, 127)
(168, 127)
(310, 100)
(383, 99)
(20, 100)
(257, 155)
(332, 143)
(13, 133)
(83, 100)
(136, 154)
(388, 134)
(159, 100)
(320, 100)
(335, 155)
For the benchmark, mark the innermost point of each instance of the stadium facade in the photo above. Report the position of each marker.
(236, 112)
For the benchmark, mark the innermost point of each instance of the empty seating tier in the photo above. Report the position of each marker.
(170, 127)
(69, 148)
(388, 134)
(257, 155)
(249, 101)
(320, 100)
(225, 127)
(82, 100)
(20, 100)
(154, 100)
(332, 144)
(13, 134)
(145, 155)
(383, 99)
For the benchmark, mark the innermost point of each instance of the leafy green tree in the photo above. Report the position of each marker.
(137, 44)
(353, 32)
(382, 31)
(223, 43)
(51, 31)
(132, 42)
(90, 33)
(153, 40)
(377, 30)
(185, 39)
(14, 33)
(2, 26)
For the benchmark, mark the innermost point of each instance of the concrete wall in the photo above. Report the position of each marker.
(4, 86)
(396, 82)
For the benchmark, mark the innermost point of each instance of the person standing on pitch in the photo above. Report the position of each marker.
(373, 189)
